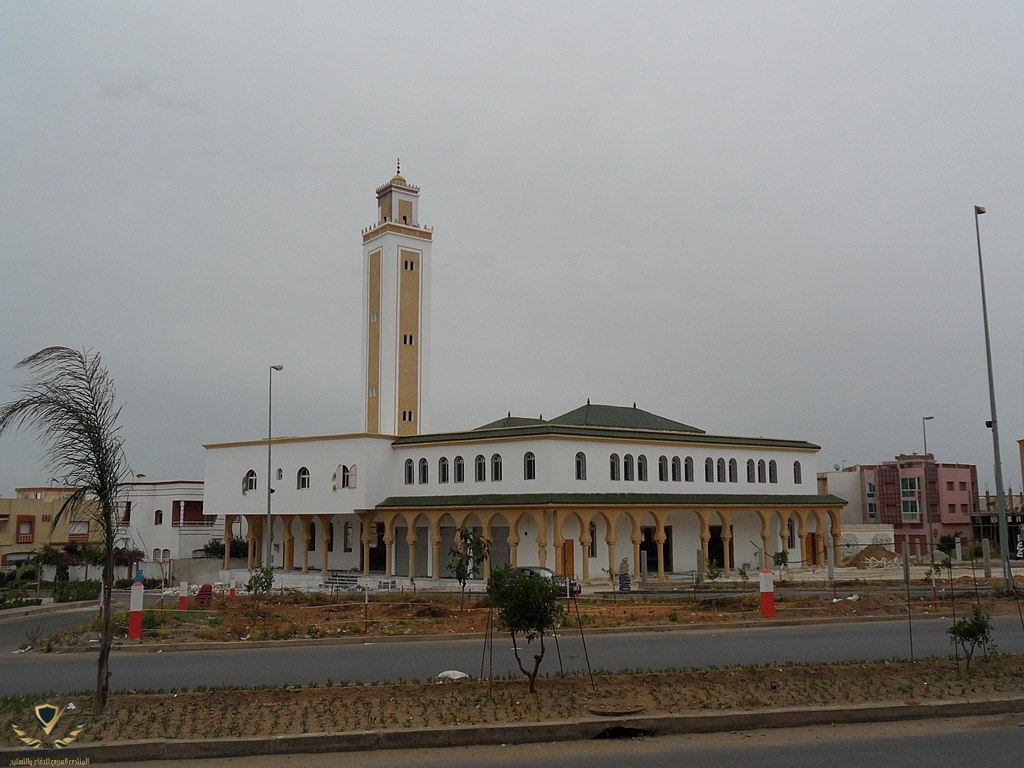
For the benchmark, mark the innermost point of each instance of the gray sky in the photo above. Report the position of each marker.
(752, 217)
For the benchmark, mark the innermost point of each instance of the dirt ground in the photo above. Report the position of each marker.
(338, 707)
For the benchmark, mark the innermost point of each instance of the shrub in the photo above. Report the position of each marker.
(70, 591)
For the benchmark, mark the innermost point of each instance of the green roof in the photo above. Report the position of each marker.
(606, 422)
(756, 500)
(621, 417)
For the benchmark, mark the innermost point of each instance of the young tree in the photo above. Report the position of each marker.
(528, 605)
(971, 632)
(71, 405)
(260, 585)
(466, 557)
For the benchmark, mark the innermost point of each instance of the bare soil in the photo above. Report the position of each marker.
(340, 707)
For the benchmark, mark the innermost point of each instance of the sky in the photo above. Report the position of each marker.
(752, 217)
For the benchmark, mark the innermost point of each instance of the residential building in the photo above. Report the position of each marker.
(32, 520)
(896, 493)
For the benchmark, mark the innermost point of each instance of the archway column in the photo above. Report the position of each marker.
(229, 521)
(585, 541)
(304, 520)
(325, 537)
(288, 546)
(542, 539)
(435, 548)
(411, 539)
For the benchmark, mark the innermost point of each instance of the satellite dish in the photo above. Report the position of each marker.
(835, 467)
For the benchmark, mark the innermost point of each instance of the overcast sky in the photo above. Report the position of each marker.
(751, 217)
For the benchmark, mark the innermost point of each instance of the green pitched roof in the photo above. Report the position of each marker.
(621, 417)
(604, 422)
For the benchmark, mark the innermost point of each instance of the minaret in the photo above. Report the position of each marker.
(396, 301)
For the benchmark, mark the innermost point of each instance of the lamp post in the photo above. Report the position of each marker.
(269, 563)
(927, 509)
(1004, 534)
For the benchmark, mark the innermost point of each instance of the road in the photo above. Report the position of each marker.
(995, 742)
(380, 661)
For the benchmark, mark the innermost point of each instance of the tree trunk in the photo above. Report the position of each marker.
(107, 632)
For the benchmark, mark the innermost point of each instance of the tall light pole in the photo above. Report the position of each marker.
(1004, 533)
(924, 488)
(927, 509)
(269, 563)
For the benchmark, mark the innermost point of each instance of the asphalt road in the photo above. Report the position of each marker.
(381, 661)
(995, 742)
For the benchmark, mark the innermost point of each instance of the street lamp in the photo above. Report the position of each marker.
(924, 489)
(927, 509)
(1004, 534)
(269, 563)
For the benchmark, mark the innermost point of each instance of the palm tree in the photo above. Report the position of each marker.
(71, 406)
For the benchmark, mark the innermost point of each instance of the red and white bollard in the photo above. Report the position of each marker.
(767, 594)
(135, 612)
(183, 596)
(231, 587)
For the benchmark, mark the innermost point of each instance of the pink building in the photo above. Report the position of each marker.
(898, 492)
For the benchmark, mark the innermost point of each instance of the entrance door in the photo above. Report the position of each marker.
(378, 552)
(654, 552)
(567, 561)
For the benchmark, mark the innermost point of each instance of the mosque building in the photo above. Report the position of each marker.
(580, 493)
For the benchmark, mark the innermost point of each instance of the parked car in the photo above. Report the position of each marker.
(573, 587)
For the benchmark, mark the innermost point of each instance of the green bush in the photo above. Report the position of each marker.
(17, 601)
(71, 591)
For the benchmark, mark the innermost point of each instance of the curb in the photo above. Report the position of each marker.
(590, 728)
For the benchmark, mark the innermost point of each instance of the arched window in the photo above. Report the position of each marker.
(442, 469)
(424, 472)
(460, 470)
(330, 537)
(409, 472)
(773, 472)
(156, 554)
(790, 534)
(249, 482)
(592, 548)
(496, 468)
(302, 479)
(165, 554)
(348, 476)
(751, 471)
(798, 473)
(346, 540)
(734, 471)
(677, 470)
(760, 471)
(663, 469)
(481, 468)
(581, 466)
(721, 470)
(709, 470)
(688, 469)
(613, 467)
(641, 468)
(311, 541)
(627, 467)
(529, 466)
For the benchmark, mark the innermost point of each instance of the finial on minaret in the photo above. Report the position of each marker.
(398, 166)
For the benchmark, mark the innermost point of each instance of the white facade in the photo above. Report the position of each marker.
(579, 493)
(166, 521)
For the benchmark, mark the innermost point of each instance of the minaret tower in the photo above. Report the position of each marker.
(396, 301)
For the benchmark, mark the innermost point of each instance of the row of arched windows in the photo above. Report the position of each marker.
(455, 471)
(626, 467)
(344, 477)
(629, 468)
